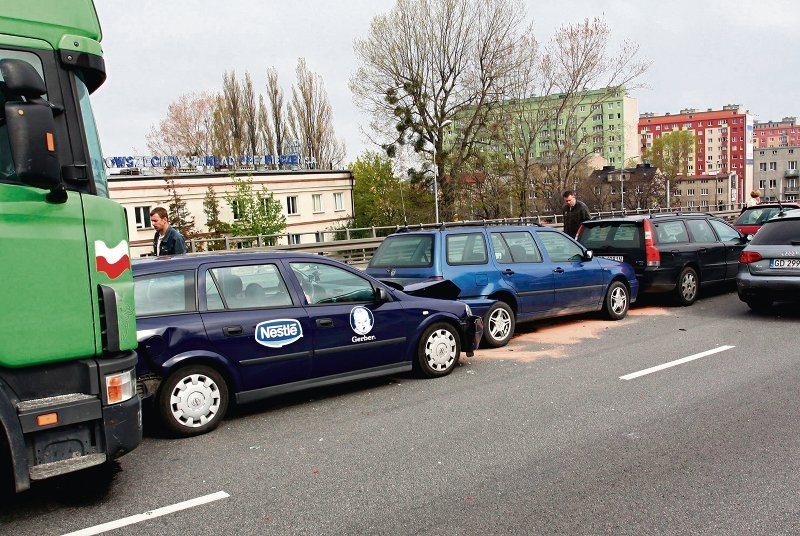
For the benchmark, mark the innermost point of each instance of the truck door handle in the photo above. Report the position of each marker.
(324, 322)
(232, 331)
(559, 270)
(508, 271)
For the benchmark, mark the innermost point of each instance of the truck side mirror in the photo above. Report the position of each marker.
(31, 128)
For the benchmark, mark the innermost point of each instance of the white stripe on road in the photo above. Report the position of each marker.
(674, 363)
(152, 514)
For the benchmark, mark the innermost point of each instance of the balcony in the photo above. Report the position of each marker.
(791, 173)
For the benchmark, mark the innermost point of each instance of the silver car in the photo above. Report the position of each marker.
(769, 267)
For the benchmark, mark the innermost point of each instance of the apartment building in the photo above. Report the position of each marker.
(776, 173)
(602, 122)
(781, 133)
(723, 151)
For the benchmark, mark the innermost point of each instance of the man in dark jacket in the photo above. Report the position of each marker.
(575, 213)
(167, 240)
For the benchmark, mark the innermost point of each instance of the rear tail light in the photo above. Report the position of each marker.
(651, 254)
(746, 257)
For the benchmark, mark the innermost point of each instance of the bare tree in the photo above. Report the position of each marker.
(233, 110)
(249, 115)
(276, 112)
(428, 63)
(265, 133)
(311, 119)
(188, 128)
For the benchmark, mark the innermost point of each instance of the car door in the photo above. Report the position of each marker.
(523, 268)
(256, 323)
(734, 243)
(353, 332)
(711, 253)
(578, 283)
(466, 263)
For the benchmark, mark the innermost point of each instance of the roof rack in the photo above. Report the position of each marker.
(467, 223)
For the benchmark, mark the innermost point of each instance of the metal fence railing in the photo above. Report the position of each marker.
(356, 246)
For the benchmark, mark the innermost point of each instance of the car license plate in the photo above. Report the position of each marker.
(784, 263)
(612, 257)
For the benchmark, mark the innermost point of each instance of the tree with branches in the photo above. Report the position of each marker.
(256, 211)
(187, 130)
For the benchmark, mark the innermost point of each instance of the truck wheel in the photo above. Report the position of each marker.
(193, 400)
(438, 350)
(617, 302)
(498, 325)
(688, 287)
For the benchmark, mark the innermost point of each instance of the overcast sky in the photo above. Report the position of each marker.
(704, 53)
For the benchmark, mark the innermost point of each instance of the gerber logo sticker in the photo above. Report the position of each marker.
(111, 261)
(279, 332)
(361, 320)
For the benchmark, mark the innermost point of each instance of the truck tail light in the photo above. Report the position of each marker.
(120, 386)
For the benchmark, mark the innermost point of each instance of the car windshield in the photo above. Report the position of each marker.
(756, 216)
(785, 232)
(413, 251)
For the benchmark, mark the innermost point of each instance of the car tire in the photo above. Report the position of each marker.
(617, 301)
(498, 325)
(688, 287)
(438, 350)
(759, 305)
(193, 400)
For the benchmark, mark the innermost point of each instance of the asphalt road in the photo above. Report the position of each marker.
(540, 437)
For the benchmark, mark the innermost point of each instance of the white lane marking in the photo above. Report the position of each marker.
(674, 363)
(152, 514)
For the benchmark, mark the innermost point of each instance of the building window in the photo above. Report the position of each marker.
(291, 205)
(236, 207)
(773, 183)
(337, 201)
(294, 238)
(317, 200)
(773, 166)
(690, 191)
(142, 217)
(703, 191)
(762, 166)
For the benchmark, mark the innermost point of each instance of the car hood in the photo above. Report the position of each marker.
(443, 289)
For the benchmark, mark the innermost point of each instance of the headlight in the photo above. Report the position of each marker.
(120, 386)
(469, 311)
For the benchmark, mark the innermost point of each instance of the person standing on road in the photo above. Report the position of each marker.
(167, 240)
(575, 213)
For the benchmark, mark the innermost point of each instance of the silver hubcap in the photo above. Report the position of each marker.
(688, 286)
(619, 300)
(499, 324)
(195, 400)
(440, 350)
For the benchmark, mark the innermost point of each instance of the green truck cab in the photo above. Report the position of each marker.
(68, 396)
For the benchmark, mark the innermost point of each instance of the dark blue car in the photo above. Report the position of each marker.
(509, 273)
(216, 328)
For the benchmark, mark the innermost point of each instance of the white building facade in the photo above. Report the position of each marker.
(313, 201)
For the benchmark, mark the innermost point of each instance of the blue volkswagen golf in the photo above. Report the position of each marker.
(509, 273)
(237, 327)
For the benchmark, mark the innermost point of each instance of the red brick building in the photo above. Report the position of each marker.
(723, 148)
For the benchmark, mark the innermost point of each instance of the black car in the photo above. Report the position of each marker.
(237, 327)
(670, 252)
(769, 267)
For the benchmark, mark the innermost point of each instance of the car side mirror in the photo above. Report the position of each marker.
(381, 295)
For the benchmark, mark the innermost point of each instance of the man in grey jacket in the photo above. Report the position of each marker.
(575, 213)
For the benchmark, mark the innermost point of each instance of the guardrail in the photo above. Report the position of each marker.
(358, 251)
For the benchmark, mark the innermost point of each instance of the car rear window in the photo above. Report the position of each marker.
(411, 251)
(623, 235)
(779, 233)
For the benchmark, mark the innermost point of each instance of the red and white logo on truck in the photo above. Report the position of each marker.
(112, 261)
